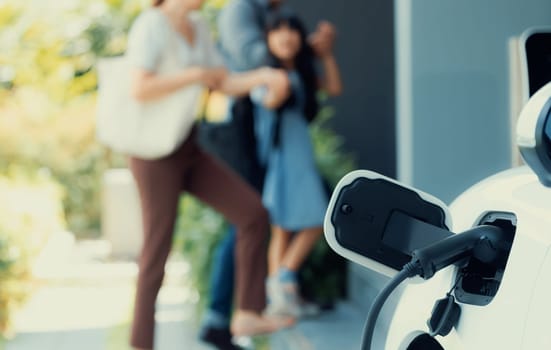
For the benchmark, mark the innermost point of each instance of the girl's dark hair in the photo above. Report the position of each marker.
(304, 61)
(157, 2)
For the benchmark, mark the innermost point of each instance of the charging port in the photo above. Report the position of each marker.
(424, 342)
(478, 282)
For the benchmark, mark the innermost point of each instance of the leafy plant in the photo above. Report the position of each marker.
(47, 93)
(198, 231)
(332, 160)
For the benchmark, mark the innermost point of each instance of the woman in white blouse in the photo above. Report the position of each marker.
(174, 24)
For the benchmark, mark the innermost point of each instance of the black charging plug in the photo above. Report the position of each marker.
(483, 240)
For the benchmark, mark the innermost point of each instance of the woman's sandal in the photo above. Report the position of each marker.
(251, 324)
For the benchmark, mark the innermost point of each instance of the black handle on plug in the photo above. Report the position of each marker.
(482, 242)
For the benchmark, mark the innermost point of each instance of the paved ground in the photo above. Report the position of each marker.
(84, 303)
(336, 330)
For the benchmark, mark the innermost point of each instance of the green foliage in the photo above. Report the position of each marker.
(333, 162)
(211, 8)
(198, 231)
(60, 141)
(30, 211)
(47, 95)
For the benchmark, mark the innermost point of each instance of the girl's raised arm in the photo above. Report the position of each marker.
(322, 44)
(331, 82)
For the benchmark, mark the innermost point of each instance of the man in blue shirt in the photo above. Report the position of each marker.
(243, 46)
(242, 35)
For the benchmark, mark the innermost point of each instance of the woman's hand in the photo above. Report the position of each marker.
(213, 77)
(278, 85)
(147, 86)
(277, 81)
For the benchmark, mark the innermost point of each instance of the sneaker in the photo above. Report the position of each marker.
(308, 309)
(250, 324)
(282, 298)
(220, 338)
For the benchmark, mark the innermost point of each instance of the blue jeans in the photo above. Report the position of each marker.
(222, 276)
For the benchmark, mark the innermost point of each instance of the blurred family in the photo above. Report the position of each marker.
(265, 54)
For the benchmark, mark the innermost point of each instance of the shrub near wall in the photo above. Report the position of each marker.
(30, 211)
(59, 140)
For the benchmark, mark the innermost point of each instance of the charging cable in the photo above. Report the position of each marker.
(409, 270)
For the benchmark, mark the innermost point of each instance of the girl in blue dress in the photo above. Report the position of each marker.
(293, 191)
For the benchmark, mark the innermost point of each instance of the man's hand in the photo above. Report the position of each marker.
(212, 77)
(322, 39)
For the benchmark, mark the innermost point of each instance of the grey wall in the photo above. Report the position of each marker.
(453, 98)
(365, 114)
(365, 51)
